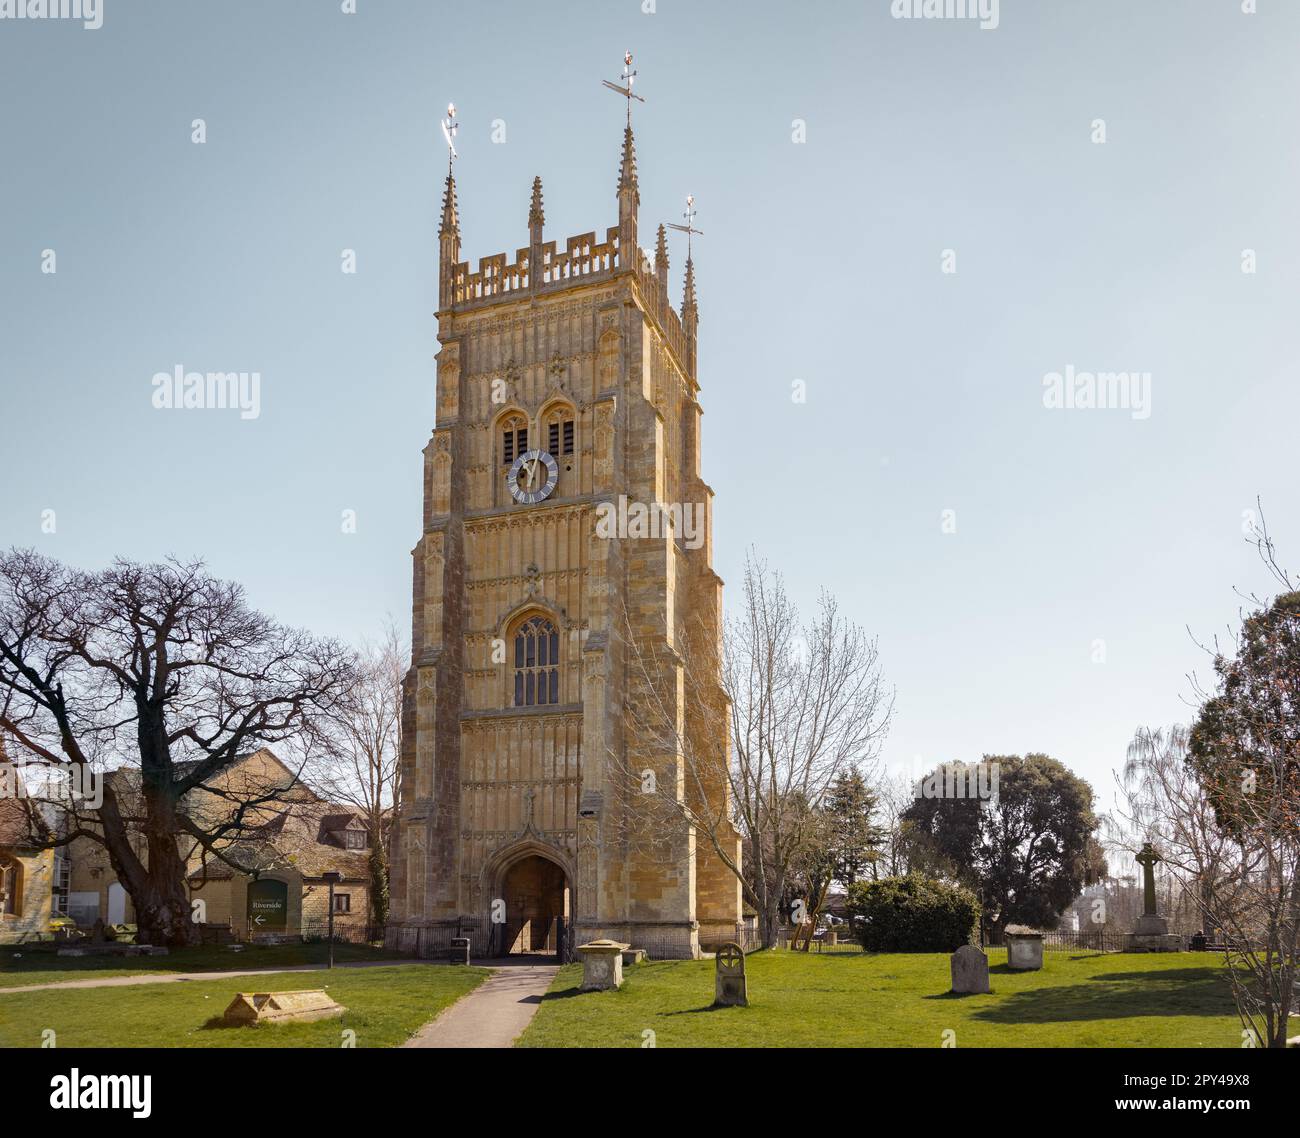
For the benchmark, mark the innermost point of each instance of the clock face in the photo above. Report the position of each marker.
(532, 477)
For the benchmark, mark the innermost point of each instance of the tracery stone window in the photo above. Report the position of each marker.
(537, 663)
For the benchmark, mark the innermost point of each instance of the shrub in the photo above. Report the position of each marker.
(912, 914)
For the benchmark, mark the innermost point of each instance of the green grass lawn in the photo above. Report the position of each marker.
(23, 965)
(385, 1007)
(859, 1000)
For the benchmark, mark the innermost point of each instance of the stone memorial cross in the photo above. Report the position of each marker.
(1151, 933)
(1147, 859)
(730, 987)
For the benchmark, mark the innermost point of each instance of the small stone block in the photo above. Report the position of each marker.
(1024, 948)
(300, 1006)
(1141, 942)
(602, 965)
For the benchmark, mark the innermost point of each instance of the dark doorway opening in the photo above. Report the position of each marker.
(536, 894)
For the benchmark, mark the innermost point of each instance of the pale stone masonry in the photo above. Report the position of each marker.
(515, 767)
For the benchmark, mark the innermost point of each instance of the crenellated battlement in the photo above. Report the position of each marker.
(541, 267)
(584, 258)
(654, 290)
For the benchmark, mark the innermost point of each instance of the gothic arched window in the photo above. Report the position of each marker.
(11, 884)
(514, 438)
(537, 663)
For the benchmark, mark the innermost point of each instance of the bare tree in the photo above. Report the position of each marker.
(362, 771)
(163, 674)
(896, 794)
(797, 705)
(1164, 802)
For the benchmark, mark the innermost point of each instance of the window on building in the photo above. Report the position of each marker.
(11, 887)
(559, 434)
(537, 663)
(514, 439)
(343, 902)
(355, 839)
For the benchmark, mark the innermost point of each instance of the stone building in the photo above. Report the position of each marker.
(566, 395)
(32, 874)
(291, 841)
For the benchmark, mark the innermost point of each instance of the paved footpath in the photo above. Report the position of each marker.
(493, 1014)
(175, 977)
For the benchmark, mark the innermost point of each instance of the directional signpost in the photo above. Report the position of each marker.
(268, 906)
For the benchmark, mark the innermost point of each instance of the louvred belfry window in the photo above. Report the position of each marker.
(514, 440)
(537, 663)
(559, 435)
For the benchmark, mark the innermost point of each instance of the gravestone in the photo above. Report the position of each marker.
(1024, 948)
(730, 987)
(300, 1006)
(970, 971)
(1151, 933)
(602, 964)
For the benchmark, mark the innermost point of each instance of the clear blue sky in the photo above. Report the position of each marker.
(820, 261)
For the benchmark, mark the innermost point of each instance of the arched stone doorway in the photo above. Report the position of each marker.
(537, 897)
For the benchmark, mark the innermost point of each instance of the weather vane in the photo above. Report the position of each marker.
(628, 77)
(689, 228)
(449, 128)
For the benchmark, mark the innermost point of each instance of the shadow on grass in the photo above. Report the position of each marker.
(697, 1011)
(1117, 995)
(562, 994)
(1157, 975)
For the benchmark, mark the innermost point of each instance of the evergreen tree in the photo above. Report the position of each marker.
(855, 839)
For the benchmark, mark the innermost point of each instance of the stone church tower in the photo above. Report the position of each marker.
(566, 392)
